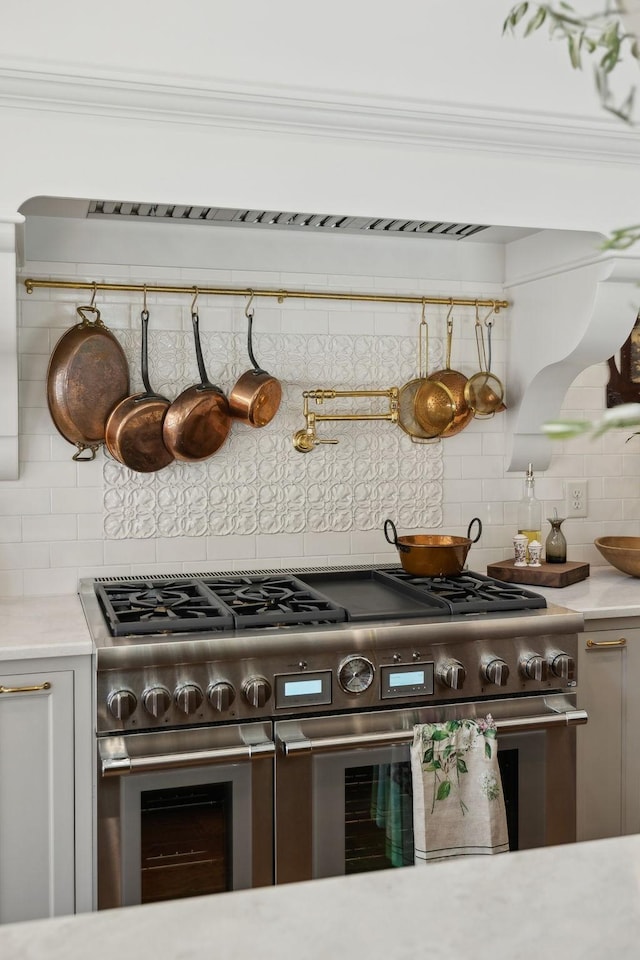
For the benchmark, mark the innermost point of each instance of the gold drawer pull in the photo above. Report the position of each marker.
(606, 643)
(41, 686)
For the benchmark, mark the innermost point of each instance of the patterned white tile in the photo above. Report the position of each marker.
(257, 483)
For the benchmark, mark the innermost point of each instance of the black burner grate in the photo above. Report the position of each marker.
(148, 606)
(468, 592)
(262, 601)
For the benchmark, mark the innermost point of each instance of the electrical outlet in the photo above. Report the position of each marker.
(576, 498)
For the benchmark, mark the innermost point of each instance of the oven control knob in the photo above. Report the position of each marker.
(355, 674)
(563, 666)
(121, 703)
(496, 671)
(188, 697)
(534, 668)
(221, 696)
(256, 691)
(452, 674)
(156, 700)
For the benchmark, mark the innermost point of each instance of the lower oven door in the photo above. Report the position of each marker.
(184, 812)
(343, 783)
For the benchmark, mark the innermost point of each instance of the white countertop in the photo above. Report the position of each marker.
(604, 594)
(32, 627)
(576, 901)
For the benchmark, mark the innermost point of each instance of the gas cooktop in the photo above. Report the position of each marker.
(237, 601)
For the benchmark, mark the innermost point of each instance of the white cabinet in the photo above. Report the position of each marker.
(45, 788)
(608, 759)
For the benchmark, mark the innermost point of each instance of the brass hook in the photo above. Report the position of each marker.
(487, 321)
(93, 295)
(247, 310)
(144, 299)
(194, 311)
(449, 320)
(477, 315)
(423, 318)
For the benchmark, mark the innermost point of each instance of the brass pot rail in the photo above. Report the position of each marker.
(281, 295)
(306, 439)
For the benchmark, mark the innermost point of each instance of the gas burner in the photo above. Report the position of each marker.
(151, 606)
(469, 592)
(273, 601)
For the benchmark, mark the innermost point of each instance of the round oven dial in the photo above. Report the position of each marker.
(563, 666)
(256, 691)
(121, 703)
(496, 671)
(188, 697)
(452, 674)
(156, 700)
(534, 667)
(221, 695)
(355, 674)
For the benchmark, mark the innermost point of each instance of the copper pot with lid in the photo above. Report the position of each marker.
(255, 398)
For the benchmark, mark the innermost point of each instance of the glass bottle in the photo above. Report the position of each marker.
(530, 510)
(556, 546)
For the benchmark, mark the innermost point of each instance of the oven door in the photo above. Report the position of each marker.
(184, 812)
(343, 783)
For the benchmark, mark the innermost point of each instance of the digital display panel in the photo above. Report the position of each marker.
(302, 688)
(414, 679)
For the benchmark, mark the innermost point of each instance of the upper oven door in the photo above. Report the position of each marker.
(184, 813)
(344, 792)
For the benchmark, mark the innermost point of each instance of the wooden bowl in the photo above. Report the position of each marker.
(623, 553)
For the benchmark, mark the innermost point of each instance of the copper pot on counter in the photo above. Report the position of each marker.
(432, 555)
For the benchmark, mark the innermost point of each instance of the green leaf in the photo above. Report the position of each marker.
(439, 735)
(562, 429)
(443, 790)
(490, 732)
(574, 52)
(428, 755)
(461, 766)
(536, 21)
(430, 767)
(487, 749)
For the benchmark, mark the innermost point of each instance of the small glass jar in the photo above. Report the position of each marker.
(556, 546)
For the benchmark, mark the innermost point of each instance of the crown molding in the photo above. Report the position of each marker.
(322, 113)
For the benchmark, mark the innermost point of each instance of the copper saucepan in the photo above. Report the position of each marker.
(255, 399)
(133, 433)
(88, 375)
(197, 422)
(432, 555)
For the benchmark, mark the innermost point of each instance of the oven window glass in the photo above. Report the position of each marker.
(185, 841)
(378, 817)
(364, 812)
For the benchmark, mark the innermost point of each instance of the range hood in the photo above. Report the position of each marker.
(309, 222)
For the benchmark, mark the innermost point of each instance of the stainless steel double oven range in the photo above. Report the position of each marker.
(250, 726)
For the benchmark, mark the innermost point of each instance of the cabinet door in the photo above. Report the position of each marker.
(36, 795)
(601, 667)
(631, 750)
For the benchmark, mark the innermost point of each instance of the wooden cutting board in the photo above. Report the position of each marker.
(546, 575)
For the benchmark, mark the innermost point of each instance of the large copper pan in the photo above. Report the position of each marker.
(256, 397)
(432, 555)
(134, 429)
(88, 375)
(197, 422)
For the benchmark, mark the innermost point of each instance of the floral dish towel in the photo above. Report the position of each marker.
(458, 805)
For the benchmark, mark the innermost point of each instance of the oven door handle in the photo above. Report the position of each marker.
(116, 765)
(292, 744)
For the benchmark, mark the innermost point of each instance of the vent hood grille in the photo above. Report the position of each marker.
(283, 220)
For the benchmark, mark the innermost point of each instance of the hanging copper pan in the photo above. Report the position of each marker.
(88, 375)
(455, 382)
(134, 430)
(484, 392)
(256, 397)
(437, 405)
(197, 422)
